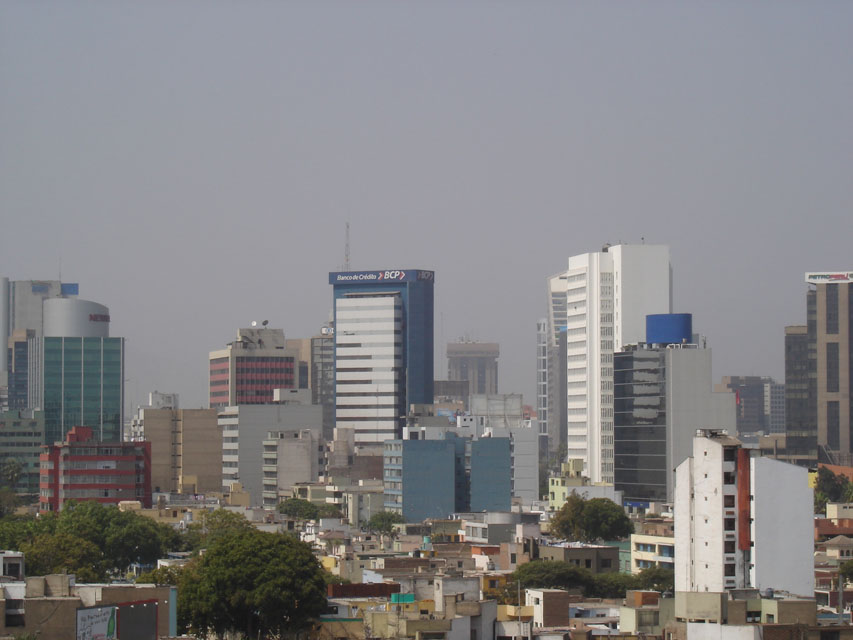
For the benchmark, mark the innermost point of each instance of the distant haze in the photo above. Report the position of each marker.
(193, 164)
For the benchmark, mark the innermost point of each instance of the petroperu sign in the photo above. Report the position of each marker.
(98, 317)
(829, 277)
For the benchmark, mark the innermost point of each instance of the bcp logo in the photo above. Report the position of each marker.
(392, 275)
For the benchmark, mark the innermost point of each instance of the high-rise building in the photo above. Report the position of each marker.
(244, 429)
(22, 317)
(18, 368)
(759, 403)
(662, 396)
(608, 296)
(476, 362)
(251, 368)
(818, 365)
(76, 370)
(186, 448)
(323, 377)
(553, 374)
(834, 362)
(542, 383)
(383, 349)
(736, 516)
(801, 394)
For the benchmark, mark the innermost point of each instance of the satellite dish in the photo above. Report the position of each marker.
(265, 322)
(254, 323)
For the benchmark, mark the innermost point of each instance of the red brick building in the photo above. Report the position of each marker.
(81, 468)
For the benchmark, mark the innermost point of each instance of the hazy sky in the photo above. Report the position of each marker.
(193, 164)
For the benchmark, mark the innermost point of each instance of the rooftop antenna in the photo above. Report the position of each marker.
(346, 250)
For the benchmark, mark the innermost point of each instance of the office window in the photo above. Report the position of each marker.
(832, 367)
(832, 308)
(833, 425)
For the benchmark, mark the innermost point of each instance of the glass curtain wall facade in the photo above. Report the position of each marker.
(82, 386)
(640, 424)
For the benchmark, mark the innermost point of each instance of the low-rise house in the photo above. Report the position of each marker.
(595, 557)
(645, 612)
(51, 607)
(649, 551)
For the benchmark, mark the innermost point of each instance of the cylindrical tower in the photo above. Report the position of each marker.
(75, 318)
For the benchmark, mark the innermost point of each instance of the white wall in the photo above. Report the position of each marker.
(642, 287)
(699, 534)
(702, 631)
(782, 527)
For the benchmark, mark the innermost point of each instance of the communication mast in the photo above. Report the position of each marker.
(346, 250)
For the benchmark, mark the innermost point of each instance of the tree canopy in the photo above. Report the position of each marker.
(830, 487)
(298, 508)
(384, 521)
(89, 539)
(555, 574)
(253, 583)
(591, 520)
(212, 526)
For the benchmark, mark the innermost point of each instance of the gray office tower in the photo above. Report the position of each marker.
(22, 318)
(662, 395)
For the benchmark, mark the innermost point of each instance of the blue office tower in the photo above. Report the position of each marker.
(490, 475)
(383, 349)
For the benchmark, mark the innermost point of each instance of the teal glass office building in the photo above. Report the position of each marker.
(82, 385)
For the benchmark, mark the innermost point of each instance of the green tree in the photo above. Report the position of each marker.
(611, 585)
(567, 522)
(384, 521)
(831, 485)
(552, 574)
(591, 520)
(656, 579)
(214, 525)
(298, 508)
(161, 575)
(329, 511)
(64, 553)
(603, 519)
(846, 570)
(10, 473)
(124, 537)
(254, 583)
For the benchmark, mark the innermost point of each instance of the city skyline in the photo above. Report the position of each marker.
(194, 183)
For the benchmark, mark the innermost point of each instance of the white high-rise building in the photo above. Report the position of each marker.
(741, 521)
(551, 374)
(608, 296)
(369, 359)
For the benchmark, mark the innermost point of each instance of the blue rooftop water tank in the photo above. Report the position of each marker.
(669, 328)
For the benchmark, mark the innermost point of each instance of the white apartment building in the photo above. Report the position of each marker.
(608, 296)
(246, 427)
(290, 457)
(370, 393)
(741, 521)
